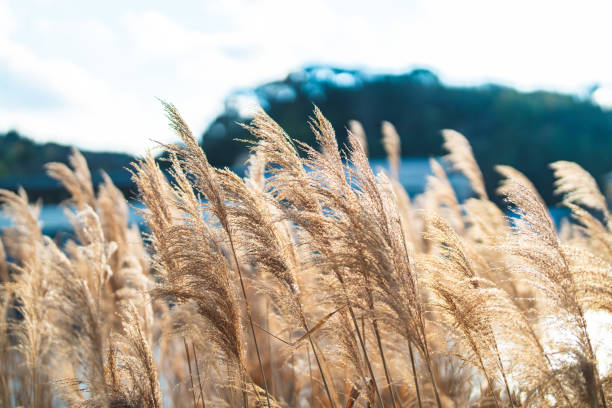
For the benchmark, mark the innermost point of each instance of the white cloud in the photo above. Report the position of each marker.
(104, 65)
(7, 20)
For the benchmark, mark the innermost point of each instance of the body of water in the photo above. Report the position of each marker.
(413, 174)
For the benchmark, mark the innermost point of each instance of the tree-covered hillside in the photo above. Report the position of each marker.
(20, 155)
(22, 164)
(505, 126)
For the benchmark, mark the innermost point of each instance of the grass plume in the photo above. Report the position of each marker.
(310, 281)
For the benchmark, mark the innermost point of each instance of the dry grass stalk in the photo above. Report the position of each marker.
(465, 305)
(3, 264)
(32, 291)
(579, 187)
(357, 130)
(551, 268)
(192, 157)
(76, 180)
(392, 145)
(264, 244)
(462, 158)
(441, 194)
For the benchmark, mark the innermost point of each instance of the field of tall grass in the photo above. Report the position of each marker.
(310, 282)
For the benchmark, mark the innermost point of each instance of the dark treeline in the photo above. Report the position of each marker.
(22, 164)
(504, 126)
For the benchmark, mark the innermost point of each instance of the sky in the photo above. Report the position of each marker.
(88, 73)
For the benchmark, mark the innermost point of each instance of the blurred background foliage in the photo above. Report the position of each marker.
(504, 126)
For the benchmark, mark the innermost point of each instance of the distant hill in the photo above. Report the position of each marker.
(505, 126)
(22, 161)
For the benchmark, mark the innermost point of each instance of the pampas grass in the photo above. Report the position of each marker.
(312, 281)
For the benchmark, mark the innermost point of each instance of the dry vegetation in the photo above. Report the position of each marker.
(310, 282)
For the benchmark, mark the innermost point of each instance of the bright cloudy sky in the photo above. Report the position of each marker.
(87, 72)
